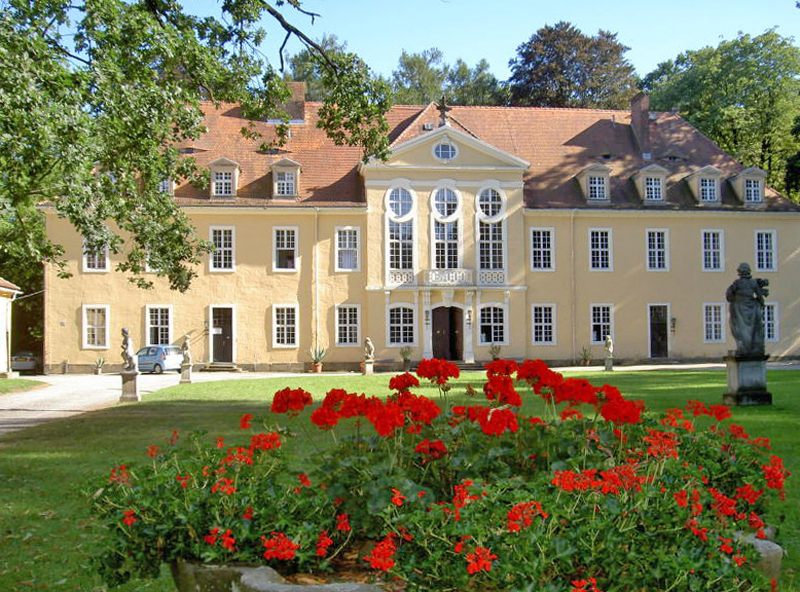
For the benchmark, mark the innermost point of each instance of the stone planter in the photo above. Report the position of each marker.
(198, 577)
(315, 368)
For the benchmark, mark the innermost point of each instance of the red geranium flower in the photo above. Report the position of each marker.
(481, 559)
(382, 554)
(290, 400)
(438, 371)
(279, 546)
(403, 382)
(323, 542)
(129, 517)
(244, 421)
(342, 522)
(397, 497)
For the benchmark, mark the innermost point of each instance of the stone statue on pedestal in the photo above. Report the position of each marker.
(746, 296)
(129, 361)
(369, 350)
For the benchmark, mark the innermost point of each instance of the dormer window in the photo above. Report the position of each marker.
(285, 178)
(650, 183)
(445, 151)
(705, 185)
(224, 178)
(749, 186)
(594, 182)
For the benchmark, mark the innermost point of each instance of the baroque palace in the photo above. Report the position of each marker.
(537, 230)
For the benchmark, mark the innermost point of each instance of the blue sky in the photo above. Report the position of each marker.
(378, 30)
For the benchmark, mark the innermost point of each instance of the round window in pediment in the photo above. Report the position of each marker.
(445, 151)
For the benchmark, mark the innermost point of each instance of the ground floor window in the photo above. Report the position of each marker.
(601, 322)
(158, 325)
(347, 325)
(95, 326)
(544, 323)
(713, 326)
(285, 326)
(492, 323)
(771, 322)
(401, 325)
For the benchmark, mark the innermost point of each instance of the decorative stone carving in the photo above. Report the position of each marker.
(746, 296)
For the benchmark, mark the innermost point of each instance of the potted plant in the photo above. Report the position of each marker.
(405, 354)
(98, 365)
(586, 356)
(494, 351)
(317, 354)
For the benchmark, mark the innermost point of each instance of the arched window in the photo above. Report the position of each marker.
(400, 235)
(490, 230)
(445, 209)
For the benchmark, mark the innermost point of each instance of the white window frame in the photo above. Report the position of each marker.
(653, 188)
(285, 183)
(86, 260)
(148, 325)
(499, 305)
(356, 230)
(454, 218)
(596, 187)
(720, 323)
(711, 183)
(771, 252)
(610, 233)
(338, 324)
(296, 234)
(649, 249)
(553, 326)
(211, 266)
(773, 322)
(447, 142)
(599, 305)
(413, 324)
(498, 218)
(703, 250)
(295, 343)
(223, 186)
(409, 217)
(753, 195)
(551, 250)
(85, 326)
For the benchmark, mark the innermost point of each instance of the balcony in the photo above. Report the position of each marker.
(448, 277)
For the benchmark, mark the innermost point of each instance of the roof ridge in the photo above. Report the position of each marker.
(402, 135)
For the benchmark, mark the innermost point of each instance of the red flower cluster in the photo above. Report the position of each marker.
(403, 382)
(438, 371)
(500, 387)
(323, 542)
(129, 517)
(120, 475)
(279, 546)
(522, 515)
(224, 486)
(243, 456)
(304, 480)
(268, 441)
(152, 451)
(382, 554)
(343, 522)
(481, 559)
(541, 378)
(398, 497)
(662, 444)
(614, 480)
(583, 585)
(184, 480)
(718, 412)
(289, 400)
(433, 450)
(244, 421)
(775, 474)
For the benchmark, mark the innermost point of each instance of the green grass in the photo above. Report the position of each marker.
(46, 535)
(16, 385)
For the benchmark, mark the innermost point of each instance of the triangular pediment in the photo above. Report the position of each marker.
(223, 162)
(286, 163)
(470, 152)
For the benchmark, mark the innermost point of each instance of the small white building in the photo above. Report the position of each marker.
(8, 292)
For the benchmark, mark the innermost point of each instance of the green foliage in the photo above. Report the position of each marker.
(97, 95)
(307, 66)
(561, 67)
(744, 94)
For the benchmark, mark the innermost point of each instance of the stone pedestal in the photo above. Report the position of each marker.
(130, 392)
(747, 381)
(369, 368)
(609, 364)
(186, 374)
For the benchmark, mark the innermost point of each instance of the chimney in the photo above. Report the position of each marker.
(296, 105)
(640, 122)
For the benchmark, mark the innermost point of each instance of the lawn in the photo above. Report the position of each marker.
(16, 385)
(46, 534)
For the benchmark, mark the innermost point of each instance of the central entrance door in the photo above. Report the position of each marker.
(222, 334)
(448, 338)
(659, 345)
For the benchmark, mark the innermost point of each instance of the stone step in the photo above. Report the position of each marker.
(221, 367)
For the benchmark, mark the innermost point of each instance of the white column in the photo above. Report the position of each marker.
(469, 324)
(427, 321)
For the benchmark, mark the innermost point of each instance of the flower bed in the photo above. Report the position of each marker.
(594, 495)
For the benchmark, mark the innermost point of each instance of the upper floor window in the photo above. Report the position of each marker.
(445, 203)
(490, 203)
(649, 182)
(594, 182)
(708, 189)
(223, 183)
(600, 254)
(224, 177)
(704, 184)
(95, 260)
(285, 178)
(657, 250)
(445, 244)
(490, 245)
(753, 192)
(347, 249)
(597, 187)
(166, 186)
(400, 234)
(749, 186)
(713, 250)
(223, 257)
(401, 202)
(285, 183)
(96, 321)
(766, 250)
(653, 189)
(445, 151)
(285, 241)
(542, 249)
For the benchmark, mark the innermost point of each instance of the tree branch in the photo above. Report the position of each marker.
(292, 30)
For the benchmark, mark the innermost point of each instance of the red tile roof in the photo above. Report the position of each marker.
(5, 285)
(558, 143)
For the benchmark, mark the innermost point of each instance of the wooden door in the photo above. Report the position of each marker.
(222, 334)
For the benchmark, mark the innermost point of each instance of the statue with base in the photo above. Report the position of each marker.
(369, 356)
(186, 365)
(609, 366)
(130, 369)
(747, 369)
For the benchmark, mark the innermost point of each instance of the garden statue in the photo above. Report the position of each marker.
(128, 357)
(746, 296)
(609, 347)
(369, 350)
(187, 355)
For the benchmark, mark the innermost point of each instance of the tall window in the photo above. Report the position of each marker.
(222, 183)
(400, 214)
(601, 322)
(95, 259)
(490, 245)
(285, 183)
(713, 258)
(284, 321)
(544, 324)
(653, 189)
(490, 203)
(542, 258)
(657, 250)
(445, 245)
(285, 249)
(597, 187)
(713, 327)
(600, 249)
(490, 231)
(223, 258)
(158, 325)
(492, 324)
(95, 326)
(347, 248)
(752, 191)
(765, 250)
(347, 325)
(708, 189)
(401, 325)
(770, 321)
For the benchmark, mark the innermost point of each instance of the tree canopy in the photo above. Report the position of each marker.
(744, 94)
(96, 95)
(561, 67)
